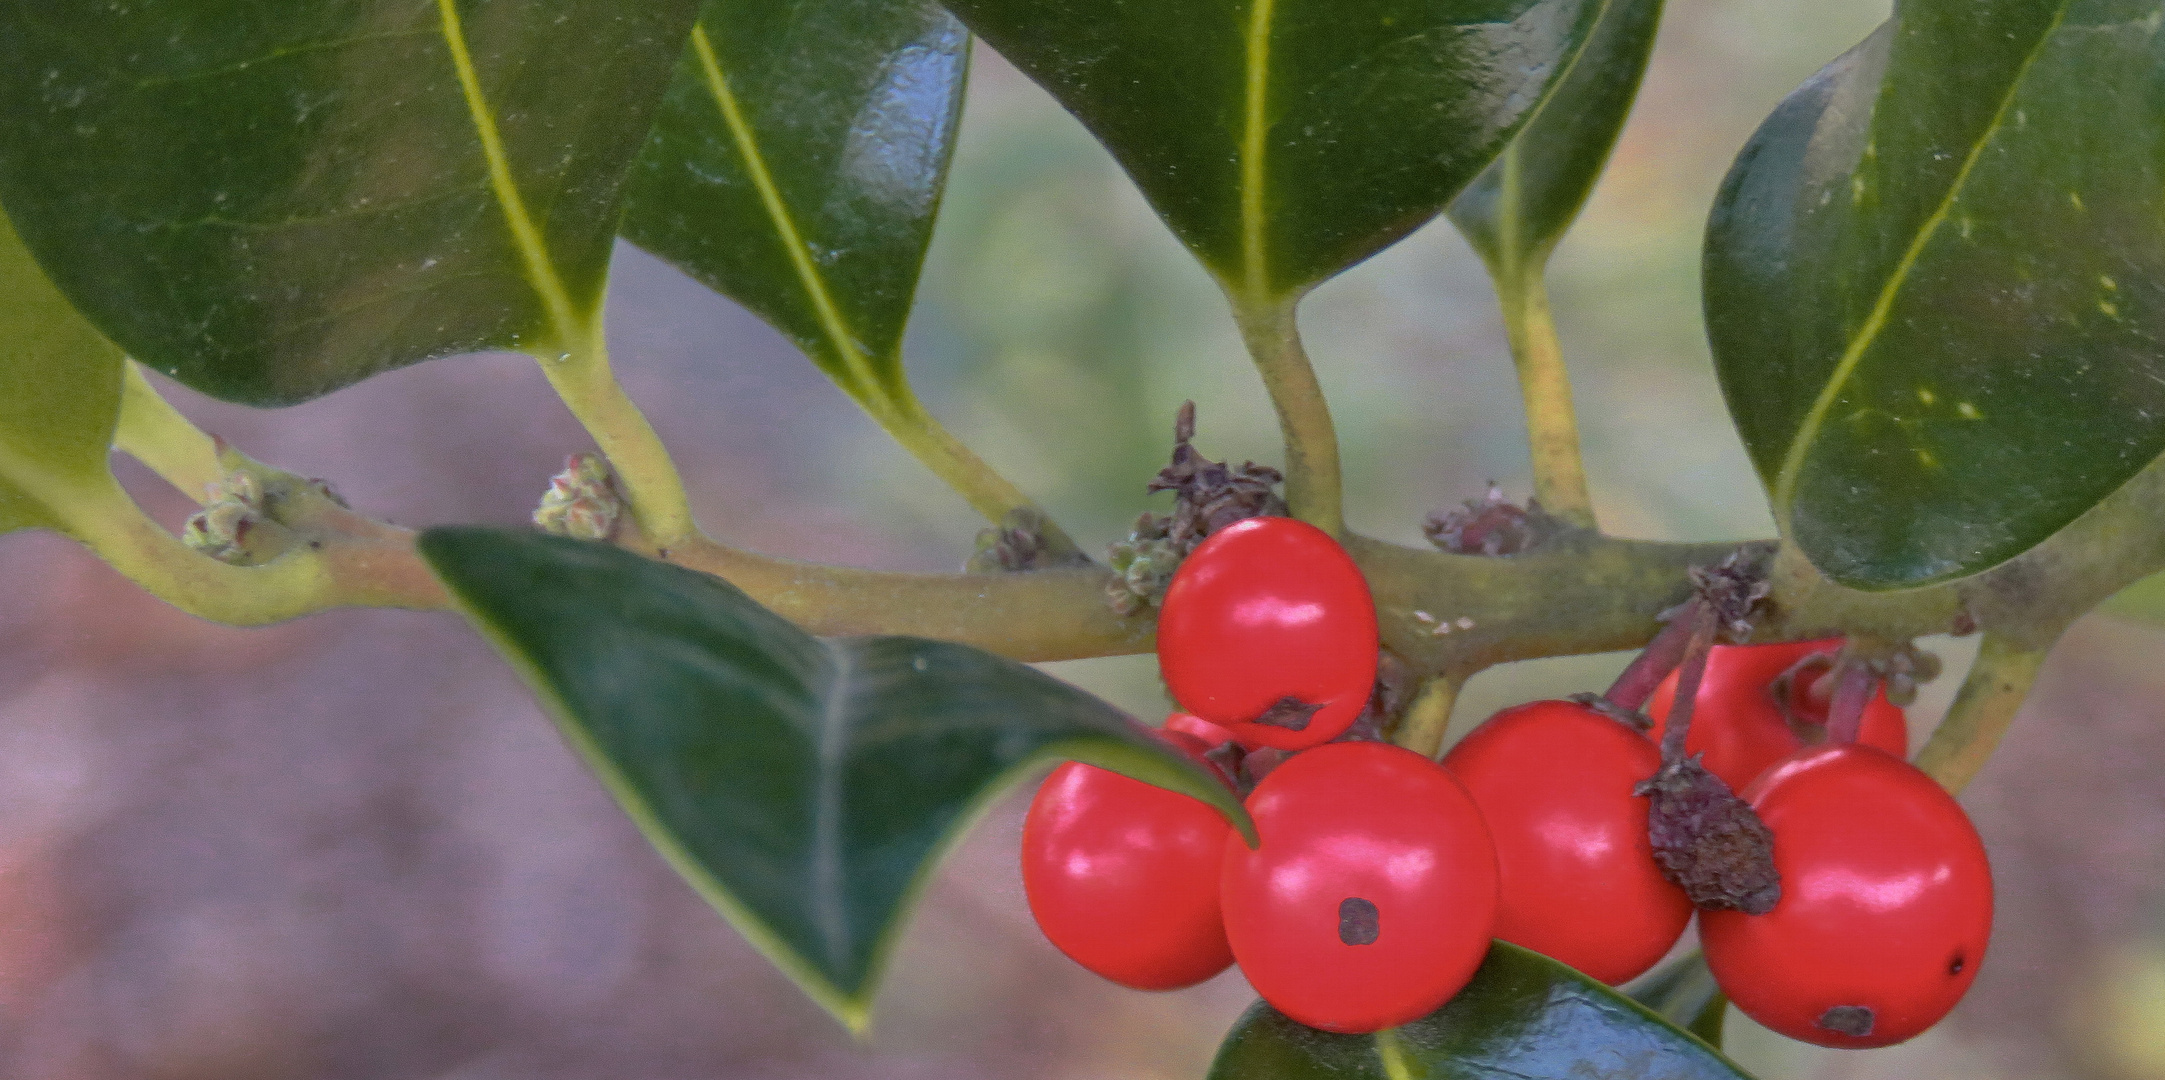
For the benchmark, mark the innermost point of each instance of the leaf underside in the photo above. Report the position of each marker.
(1285, 140)
(1523, 1015)
(1935, 284)
(804, 786)
(270, 203)
(1520, 206)
(797, 165)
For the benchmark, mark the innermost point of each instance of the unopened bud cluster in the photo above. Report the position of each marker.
(582, 501)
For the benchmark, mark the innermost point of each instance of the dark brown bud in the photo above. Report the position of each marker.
(1018, 543)
(1734, 588)
(1207, 496)
(1491, 525)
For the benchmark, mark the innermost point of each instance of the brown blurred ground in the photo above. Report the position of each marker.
(350, 846)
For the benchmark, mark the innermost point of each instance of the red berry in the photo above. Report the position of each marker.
(1123, 876)
(1740, 728)
(1553, 780)
(1269, 620)
(1372, 897)
(1190, 724)
(1886, 903)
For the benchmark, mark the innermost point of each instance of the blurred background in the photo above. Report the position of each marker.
(350, 846)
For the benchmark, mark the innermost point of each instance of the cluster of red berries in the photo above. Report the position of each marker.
(1381, 875)
(1886, 902)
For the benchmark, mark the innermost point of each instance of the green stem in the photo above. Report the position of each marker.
(1552, 426)
(153, 432)
(354, 562)
(1313, 487)
(989, 493)
(583, 380)
(1992, 693)
(1035, 616)
(1429, 717)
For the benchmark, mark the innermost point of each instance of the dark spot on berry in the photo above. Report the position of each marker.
(1359, 923)
(1955, 966)
(1290, 713)
(1854, 1021)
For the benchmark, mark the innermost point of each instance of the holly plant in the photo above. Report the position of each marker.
(1934, 288)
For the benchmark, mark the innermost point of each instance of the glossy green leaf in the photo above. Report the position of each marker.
(1684, 993)
(1518, 208)
(1523, 1017)
(1285, 140)
(271, 202)
(797, 165)
(59, 391)
(1935, 284)
(805, 787)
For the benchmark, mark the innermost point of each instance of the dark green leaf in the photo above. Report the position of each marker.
(1683, 992)
(59, 393)
(797, 164)
(272, 202)
(1285, 140)
(1935, 284)
(1524, 1017)
(1518, 208)
(805, 787)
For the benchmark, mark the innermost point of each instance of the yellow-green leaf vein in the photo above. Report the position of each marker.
(770, 196)
(1254, 264)
(1883, 305)
(533, 249)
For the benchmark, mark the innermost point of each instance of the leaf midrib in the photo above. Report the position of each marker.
(526, 237)
(828, 875)
(853, 357)
(1883, 305)
(1255, 127)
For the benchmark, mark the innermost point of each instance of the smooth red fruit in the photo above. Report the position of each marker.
(1267, 609)
(1372, 897)
(1886, 901)
(1553, 780)
(1740, 728)
(1190, 724)
(1123, 876)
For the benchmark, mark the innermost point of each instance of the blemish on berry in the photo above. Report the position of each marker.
(1359, 923)
(1955, 966)
(1854, 1021)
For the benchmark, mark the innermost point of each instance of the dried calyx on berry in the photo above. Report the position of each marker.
(1207, 496)
(1023, 540)
(1705, 838)
(1492, 525)
(1709, 841)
